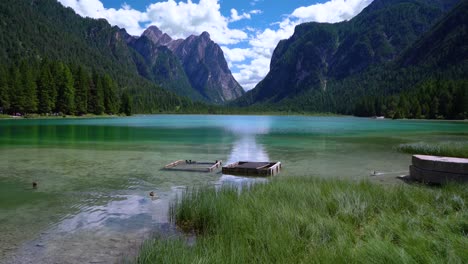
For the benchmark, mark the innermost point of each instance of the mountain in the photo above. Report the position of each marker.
(161, 65)
(34, 31)
(144, 69)
(446, 43)
(380, 52)
(201, 59)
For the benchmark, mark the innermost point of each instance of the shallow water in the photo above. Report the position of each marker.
(94, 175)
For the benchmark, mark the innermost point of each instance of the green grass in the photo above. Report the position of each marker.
(307, 220)
(449, 149)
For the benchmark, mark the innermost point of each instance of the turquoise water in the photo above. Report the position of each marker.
(94, 175)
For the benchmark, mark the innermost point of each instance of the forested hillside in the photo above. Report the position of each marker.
(32, 32)
(393, 55)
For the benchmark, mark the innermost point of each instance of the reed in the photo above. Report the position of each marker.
(448, 149)
(309, 220)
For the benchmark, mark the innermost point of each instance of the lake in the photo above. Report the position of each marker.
(94, 175)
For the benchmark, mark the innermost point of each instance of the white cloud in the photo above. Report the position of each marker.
(178, 19)
(182, 19)
(237, 54)
(254, 2)
(124, 17)
(126, 6)
(331, 11)
(236, 17)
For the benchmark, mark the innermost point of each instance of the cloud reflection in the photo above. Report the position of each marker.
(251, 125)
(134, 209)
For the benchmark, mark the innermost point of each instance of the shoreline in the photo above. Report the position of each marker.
(10, 117)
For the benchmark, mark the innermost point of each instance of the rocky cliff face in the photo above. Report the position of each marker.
(207, 69)
(320, 54)
(202, 61)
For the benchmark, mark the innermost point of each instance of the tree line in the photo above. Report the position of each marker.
(433, 99)
(55, 88)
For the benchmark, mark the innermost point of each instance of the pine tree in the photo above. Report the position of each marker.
(126, 103)
(461, 101)
(434, 108)
(111, 101)
(44, 87)
(66, 92)
(445, 106)
(16, 94)
(56, 74)
(96, 96)
(29, 89)
(4, 98)
(81, 91)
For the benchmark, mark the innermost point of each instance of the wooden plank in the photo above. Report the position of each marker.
(252, 168)
(195, 166)
(216, 165)
(173, 164)
(441, 164)
(253, 165)
(430, 176)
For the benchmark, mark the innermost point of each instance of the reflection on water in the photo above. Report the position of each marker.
(94, 175)
(134, 209)
(245, 147)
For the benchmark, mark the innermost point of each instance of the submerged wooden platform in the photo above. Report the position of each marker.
(435, 169)
(249, 168)
(195, 166)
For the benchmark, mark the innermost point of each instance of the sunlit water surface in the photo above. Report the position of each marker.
(94, 175)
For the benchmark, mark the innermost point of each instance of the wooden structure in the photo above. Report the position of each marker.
(184, 165)
(434, 169)
(249, 168)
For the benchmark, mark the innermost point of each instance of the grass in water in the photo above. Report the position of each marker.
(449, 149)
(307, 220)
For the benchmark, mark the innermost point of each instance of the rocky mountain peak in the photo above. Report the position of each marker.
(156, 36)
(153, 31)
(202, 60)
(205, 36)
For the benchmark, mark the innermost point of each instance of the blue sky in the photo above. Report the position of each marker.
(247, 30)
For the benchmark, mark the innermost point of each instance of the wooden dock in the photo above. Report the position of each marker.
(249, 168)
(195, 166)
(434, 169)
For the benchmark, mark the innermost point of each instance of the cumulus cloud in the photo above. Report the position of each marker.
(178, 19)
(182, 19)
(331, 11)
(237, 54)
(124, 17)
(236, 17)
